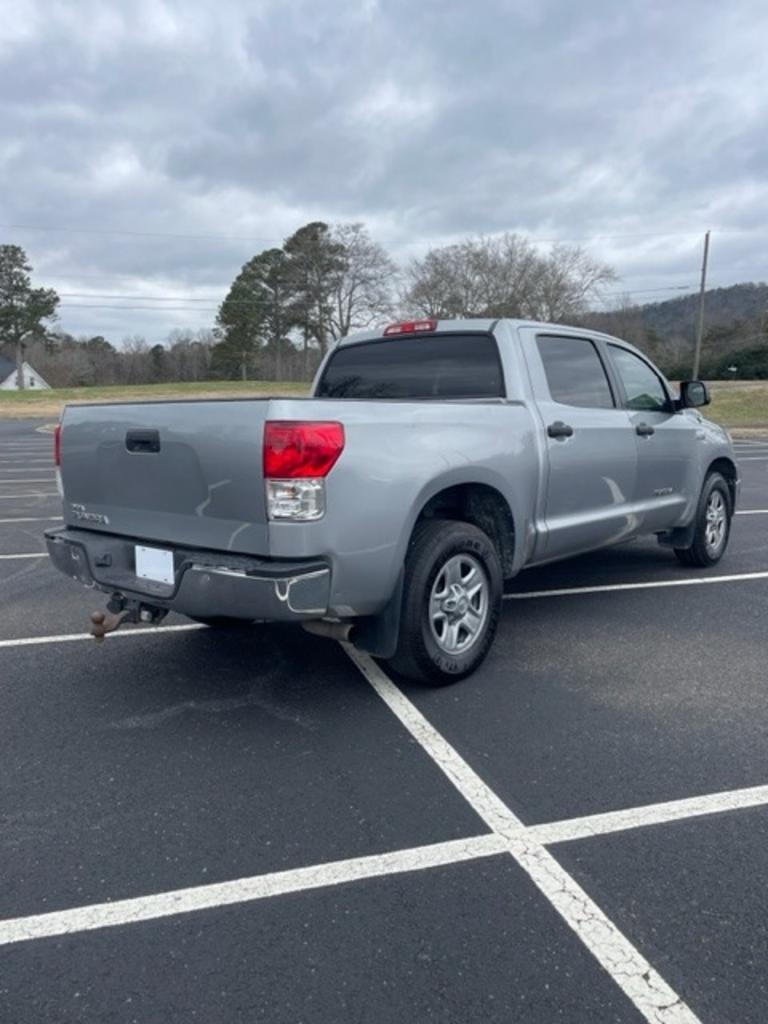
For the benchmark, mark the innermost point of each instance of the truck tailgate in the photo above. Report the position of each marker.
(183, 473)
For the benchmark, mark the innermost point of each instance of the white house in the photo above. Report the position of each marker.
(8, 377)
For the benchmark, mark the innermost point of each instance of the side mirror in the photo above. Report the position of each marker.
(693, 393)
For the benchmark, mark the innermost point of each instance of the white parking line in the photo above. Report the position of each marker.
(123, 634)
(651, 814)
(647, 585)
(33, 494)
(33, 519)
(39, 480)
(751, 458)
(245, 890)
(629, 969)
(752, 512)
(35, 554)
(643, 985)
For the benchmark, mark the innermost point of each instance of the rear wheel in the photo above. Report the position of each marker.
(713, 524)
(451, 602)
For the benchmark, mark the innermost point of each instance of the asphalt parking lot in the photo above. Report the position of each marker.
(258, 826)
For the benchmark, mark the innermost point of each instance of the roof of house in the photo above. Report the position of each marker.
(7, 366)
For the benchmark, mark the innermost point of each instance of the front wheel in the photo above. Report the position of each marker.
(451, 602)
(713, 525)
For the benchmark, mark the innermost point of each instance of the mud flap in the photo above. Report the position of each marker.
(379, 634)
(680, 537)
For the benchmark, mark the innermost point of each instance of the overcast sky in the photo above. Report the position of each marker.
(630, 126)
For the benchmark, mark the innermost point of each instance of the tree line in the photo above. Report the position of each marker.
(287, 305)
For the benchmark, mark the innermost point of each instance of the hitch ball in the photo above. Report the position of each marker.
(107, 622)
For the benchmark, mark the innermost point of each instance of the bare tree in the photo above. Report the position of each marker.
(504, 276)
(566, 281)
(135, 360)
(189, 353)
(363, 293)
(476, 277)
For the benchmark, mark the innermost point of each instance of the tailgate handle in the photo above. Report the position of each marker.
(142, 441)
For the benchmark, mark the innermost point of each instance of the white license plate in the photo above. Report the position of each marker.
(154, 564)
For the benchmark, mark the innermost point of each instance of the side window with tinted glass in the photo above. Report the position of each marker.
(575, 372)
(642, 384)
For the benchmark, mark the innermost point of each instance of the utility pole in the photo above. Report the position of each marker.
(21, 351)
(20, 365)
(700, 327)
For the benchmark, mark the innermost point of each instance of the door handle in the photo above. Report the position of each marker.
(644, 429)
(560, 429)
(143, 441)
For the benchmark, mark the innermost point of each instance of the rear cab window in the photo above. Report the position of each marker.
(437, 366)
(575, 372)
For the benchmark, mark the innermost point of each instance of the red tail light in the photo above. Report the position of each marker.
(295, 448)
(410, 327)
(57, 444)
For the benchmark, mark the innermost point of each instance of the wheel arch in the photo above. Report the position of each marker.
(483, 506)
(480, 503)
(727, 468)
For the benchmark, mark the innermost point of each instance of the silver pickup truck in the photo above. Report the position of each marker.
(434, 461)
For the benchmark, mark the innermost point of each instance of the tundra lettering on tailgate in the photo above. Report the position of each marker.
(81, 513)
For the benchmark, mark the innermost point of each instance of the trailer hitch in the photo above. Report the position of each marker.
(120, 610)
(107, 622)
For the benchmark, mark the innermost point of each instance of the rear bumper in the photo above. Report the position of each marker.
(207, 584)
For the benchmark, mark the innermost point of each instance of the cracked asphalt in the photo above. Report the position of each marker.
(156, 763)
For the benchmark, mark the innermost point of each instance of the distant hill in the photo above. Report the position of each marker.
(735, 322)
(740, 303)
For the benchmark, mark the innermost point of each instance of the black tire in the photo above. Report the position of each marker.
(715, 498)
(442, 546)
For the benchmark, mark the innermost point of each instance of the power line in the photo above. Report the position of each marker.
(156, 309)
(215, 298)
(400, 241)
(151, 298)
(131, 275)
(133, 234)
(187, 307)
(648, 291)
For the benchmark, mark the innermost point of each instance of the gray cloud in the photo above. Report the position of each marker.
(428, 121)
